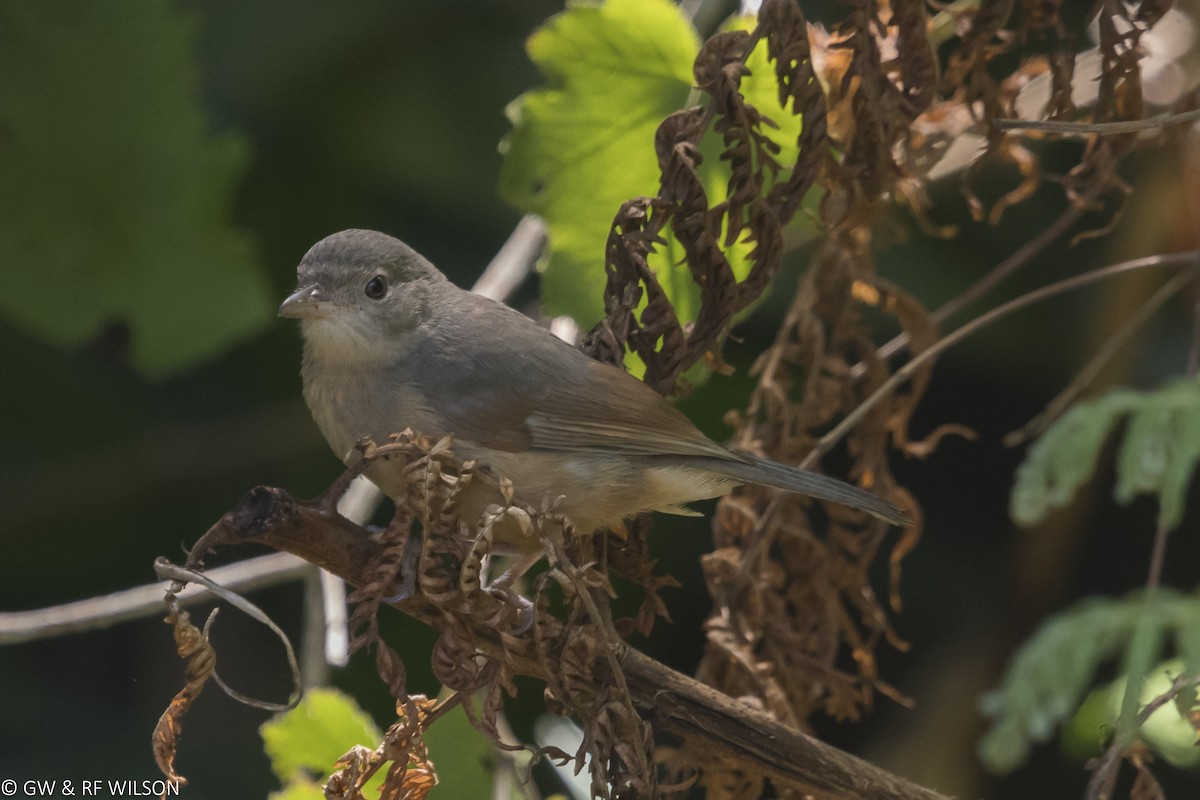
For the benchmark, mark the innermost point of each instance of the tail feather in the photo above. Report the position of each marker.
(794, 479)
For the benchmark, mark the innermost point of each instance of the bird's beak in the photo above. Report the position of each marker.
(307, 301)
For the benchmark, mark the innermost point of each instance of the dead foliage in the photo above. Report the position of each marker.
(565, 638)
(411, 775)
(796, 622)
(194, 648)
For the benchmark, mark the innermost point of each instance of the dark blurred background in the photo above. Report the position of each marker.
(387, 115)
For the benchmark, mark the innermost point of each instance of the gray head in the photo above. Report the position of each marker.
(357, 291)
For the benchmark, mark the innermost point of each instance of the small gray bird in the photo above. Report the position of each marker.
(390, 343)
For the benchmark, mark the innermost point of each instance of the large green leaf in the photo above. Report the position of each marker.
(585, 144)
(1158, 454)
(462, 755)
(307, 740)
(115, 196)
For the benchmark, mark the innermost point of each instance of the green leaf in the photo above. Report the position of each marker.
(462, 756)
(760, 89)
(116, 196)
(299, 790)
(1050, 674)
(615, 71)
(1161, 447)
(585, 144)
(310, 738)
(1158, 453)
(1166, 731)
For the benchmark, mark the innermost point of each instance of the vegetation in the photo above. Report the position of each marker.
(757, 220)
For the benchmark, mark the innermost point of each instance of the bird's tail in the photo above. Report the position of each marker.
(800, 481)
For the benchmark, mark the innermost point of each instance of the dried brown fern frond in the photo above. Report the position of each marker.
(575, 640)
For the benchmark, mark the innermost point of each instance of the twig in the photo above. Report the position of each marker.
(1097, 128)
(1096, 363)
(1022, 256)
(827, 442)
(1104, 769)
(998, 274)
(182, 575)
(513, 262)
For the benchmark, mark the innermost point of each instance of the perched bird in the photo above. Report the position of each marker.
(390, 343)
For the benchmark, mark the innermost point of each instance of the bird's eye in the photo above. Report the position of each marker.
(376, 287)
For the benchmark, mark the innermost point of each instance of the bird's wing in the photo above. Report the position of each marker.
(531, 391)
(609, 410)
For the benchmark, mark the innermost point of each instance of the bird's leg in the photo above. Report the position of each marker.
(407, 570)
(502, 589)
(510, 575)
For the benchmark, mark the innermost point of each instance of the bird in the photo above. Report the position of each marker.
(390, 343)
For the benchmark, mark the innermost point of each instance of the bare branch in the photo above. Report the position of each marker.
(97, 613)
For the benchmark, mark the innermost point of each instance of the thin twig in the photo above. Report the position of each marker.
(1060, 128)
(180, 575)
(1021, 257)
(829, 440)
(1104, 768)
(1097, 362)
(514, 260)
(998, 274)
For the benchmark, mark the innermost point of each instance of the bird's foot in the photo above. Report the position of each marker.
(407, 572)
(522, 604)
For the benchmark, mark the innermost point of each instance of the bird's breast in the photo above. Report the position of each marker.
(350, 404)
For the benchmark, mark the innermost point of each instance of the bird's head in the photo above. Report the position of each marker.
(358, 292)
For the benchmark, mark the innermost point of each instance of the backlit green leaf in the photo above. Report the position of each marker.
(312, 736)
(585, 143)
(1166, 731)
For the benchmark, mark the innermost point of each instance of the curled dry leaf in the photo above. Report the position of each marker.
(194, 648)
(579, 664)
(411, 775)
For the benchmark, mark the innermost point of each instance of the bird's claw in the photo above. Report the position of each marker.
(407, 572)
(522, 604)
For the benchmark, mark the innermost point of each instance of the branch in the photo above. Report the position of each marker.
(97, 613)
(708, 721)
